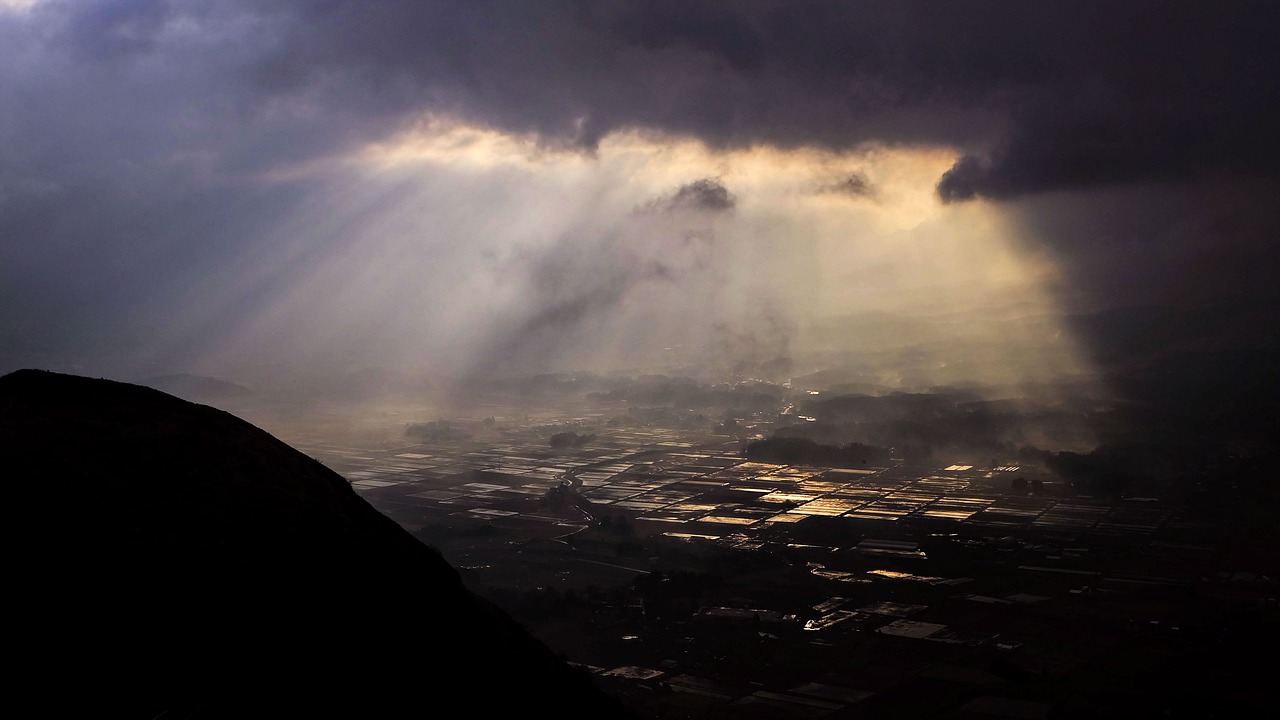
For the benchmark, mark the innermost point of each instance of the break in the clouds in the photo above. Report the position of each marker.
(207, 179)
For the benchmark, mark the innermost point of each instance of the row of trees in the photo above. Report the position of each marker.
(803, 451)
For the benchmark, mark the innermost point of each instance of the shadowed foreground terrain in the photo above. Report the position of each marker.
(172, 560)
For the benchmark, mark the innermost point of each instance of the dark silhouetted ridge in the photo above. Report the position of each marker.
(171, 560)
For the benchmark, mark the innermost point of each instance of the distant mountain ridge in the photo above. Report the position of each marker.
(196, 387)
(173, 560)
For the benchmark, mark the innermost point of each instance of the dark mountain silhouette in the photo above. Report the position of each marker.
(170, 560)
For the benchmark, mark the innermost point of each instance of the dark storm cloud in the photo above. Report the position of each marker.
(1040, 98)
(1044, 95)
(1184, 244)
(1187, 106)
(1052, 95)
(704, 195)
(708, 28)
(731, 74)
(854, 185)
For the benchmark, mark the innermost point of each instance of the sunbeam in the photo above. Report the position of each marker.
(462, 252)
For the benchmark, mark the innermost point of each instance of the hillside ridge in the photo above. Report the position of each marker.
(176, 560)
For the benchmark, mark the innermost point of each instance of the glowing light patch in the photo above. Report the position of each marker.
(452, 250)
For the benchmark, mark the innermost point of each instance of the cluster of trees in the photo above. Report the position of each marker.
(439, 431)
(948, 424)
(569, 440)
(669, 417)
(803, 451)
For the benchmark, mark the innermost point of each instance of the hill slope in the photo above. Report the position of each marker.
(173, 560)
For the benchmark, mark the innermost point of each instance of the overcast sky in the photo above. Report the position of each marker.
(462, 188)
